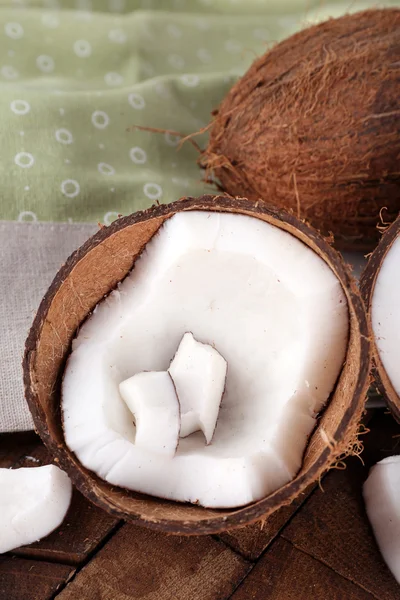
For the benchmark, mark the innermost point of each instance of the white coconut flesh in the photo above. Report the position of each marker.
(33, 502)
(381, 496)
(152, 400)
(385, 314)
(269, 305)
(199, 375)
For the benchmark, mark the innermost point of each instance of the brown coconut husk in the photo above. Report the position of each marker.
(367, 286)
(91, 273)
(314, 125)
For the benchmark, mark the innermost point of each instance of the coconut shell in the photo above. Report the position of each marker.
(314, 127)
(367, 285)
(91, 273)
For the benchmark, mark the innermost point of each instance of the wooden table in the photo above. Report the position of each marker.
(319, 548)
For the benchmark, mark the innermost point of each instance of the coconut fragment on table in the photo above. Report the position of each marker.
(33, 502)
(382, 501)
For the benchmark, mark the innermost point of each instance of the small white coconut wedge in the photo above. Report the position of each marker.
(152, 399)
(199, 375)
(382, 502)
(33, 502)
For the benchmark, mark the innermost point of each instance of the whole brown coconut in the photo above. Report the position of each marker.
(314, 126)
(93, 271)
(367, 285)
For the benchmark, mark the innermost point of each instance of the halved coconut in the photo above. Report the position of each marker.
(380, 288)
(105, 260)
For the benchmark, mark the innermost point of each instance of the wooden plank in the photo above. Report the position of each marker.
(84, 528)
(286, 573)
(138, 563)
(31, 580)
(252, 541)
(15, 445)
(333, 527)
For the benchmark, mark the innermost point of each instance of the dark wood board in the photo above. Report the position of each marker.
(138, 563)
(15, 445)
(333, 527)
(253, 540)
(31, 580)
(286, 573)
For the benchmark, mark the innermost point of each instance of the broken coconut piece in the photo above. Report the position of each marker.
(152, 399)
(33, 502)
(199, 375)
(381, 495)
(380, 286)
(276, 312)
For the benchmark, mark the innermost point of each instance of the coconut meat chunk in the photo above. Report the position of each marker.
(199, 375)
(33, 502)
(152, 399)
(268, 304)
(385, 314)
(381, 495)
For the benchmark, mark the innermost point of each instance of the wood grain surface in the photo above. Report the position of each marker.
(319, 548)
(286, 573)
(253, 540)
(333, 525)
(15, 445)
(31, 580)
(139, 564)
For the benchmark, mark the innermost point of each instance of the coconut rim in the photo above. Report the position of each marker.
(367, 286)
(345, 434)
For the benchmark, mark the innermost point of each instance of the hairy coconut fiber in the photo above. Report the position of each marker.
(367, 285)
(93, 271)
(314, 126)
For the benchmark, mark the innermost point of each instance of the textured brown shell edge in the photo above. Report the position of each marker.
(367, 286)
(345, 432)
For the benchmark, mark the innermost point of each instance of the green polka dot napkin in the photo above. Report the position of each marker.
(76, 77)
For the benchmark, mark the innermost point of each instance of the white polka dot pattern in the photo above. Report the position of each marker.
(25, 160)
(105, 169)
(136, 101)
(70, 188)
(100, 119)
(14, 30)
(45, 63)
(27, 215)
(82, 80)
(109, 217)
(20, 107)
(64, 136)
(138, 155)
(82, 48)
(153, 191)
